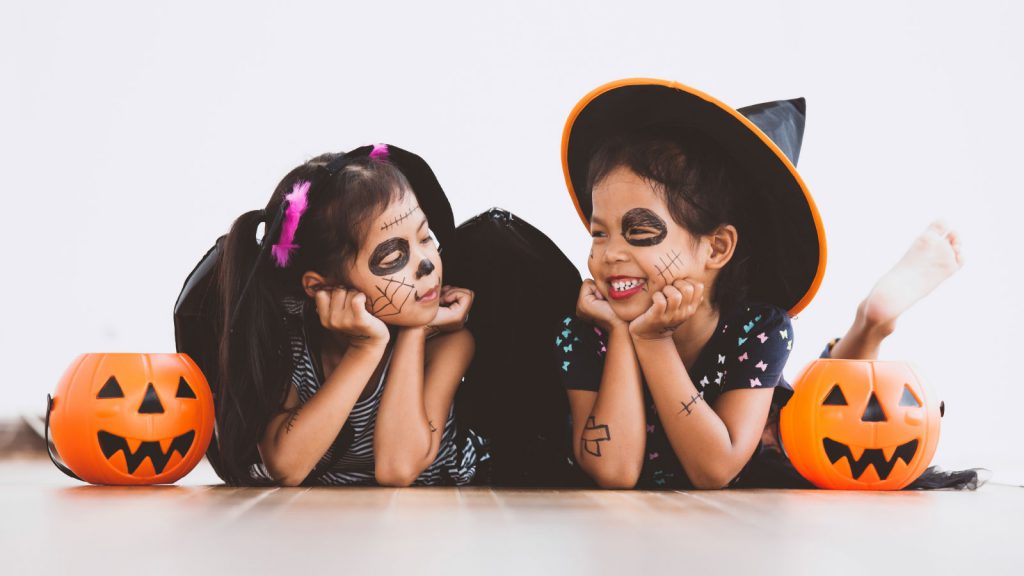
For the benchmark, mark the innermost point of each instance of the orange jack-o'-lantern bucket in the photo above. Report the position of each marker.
(860, 424)
(131, 418)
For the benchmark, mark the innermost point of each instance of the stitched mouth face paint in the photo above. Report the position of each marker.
(642, 227)
(389, 257)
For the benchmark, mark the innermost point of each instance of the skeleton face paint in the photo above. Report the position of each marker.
(390, 256)
(642, 227)
(398, 267)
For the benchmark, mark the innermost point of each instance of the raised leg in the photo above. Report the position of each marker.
(933, 256)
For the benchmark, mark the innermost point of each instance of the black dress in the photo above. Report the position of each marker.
(749, 349)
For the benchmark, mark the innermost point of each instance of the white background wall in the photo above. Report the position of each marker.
(131, 134)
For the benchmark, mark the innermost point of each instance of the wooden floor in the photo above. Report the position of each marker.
(52, 525)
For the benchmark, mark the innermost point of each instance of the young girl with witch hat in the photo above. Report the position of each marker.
(705, 243)
(341, 349)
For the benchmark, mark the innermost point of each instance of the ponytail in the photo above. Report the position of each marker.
(255, 365)
(253, 368)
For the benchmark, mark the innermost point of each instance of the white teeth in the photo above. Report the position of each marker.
(623, 286)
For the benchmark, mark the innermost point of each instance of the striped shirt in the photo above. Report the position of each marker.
(457, 456)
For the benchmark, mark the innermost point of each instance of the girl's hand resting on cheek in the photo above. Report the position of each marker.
(673, 305)
(453, 310)
(343, 311)
(592, 307)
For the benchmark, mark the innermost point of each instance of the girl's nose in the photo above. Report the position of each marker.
(425, 268)
(616, 250)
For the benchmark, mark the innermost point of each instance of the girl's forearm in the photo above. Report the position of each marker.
(403, 442)
(609, 445)
(297, 439)
(699, 438)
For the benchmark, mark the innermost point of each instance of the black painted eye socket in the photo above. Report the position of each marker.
(908, 398)
(835, 397)
(111, 389)
(184, 390)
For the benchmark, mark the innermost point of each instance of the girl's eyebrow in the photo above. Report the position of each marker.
(422, 224)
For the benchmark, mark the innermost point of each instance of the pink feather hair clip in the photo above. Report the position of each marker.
(297, 204)
(379, 151)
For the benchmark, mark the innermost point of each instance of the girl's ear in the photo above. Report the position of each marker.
(722, 245)
(311, 282)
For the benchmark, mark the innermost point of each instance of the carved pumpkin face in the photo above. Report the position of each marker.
(132, 418)
(860, 425)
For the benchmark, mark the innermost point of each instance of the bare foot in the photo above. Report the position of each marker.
(933, 257)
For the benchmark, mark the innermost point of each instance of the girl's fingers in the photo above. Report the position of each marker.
(339, 300)
(673, 297)
(347, 297)
(660, 303)
(322, 299)
(358, 303)
(456, 295)
(693, 292)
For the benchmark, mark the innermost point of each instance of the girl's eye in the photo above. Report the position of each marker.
(597, 234)
(640, 232)
(391, 259)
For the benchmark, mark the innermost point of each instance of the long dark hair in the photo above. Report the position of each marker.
(698, 180)
(255, 364)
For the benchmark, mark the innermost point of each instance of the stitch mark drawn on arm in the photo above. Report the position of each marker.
(593, 435)
(294, 413)
(687, 405)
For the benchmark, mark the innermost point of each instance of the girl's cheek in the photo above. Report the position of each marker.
(592, 263)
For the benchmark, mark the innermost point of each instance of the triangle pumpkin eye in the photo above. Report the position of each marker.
(908, 398)
(184, 390)
(835, 397)
(111, 389)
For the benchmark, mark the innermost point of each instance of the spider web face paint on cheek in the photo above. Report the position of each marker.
(393, 296)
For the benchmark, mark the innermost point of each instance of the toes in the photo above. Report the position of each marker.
(939, 227)
(953, 238)
(954, 243)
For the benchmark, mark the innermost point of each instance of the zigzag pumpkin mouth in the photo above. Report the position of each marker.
(836, 451)
(111, 444)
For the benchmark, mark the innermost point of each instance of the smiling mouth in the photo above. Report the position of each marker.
(622, 287)
(111, 444)
(836, 451)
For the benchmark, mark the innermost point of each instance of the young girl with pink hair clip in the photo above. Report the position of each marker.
(341, 349)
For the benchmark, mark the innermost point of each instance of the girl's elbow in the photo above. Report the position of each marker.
(617, 479)
(291, 481)
(286, 476)
(617, 482)
(395, 475)
(715, 480)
